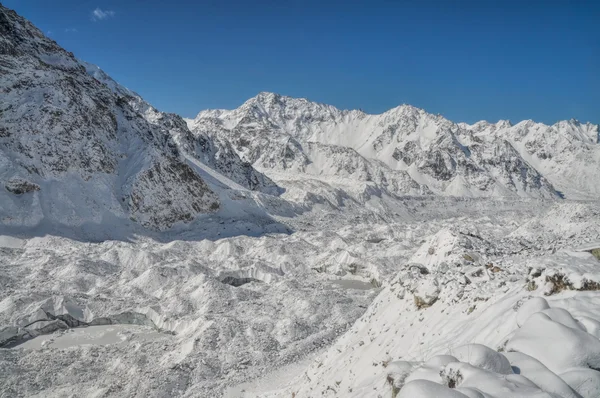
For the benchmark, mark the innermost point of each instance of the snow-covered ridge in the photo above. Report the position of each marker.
(484, 159)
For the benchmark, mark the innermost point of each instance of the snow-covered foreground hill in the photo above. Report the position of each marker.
(471, 316)
(285, 248)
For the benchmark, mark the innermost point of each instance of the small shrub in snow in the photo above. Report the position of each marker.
(531, 286)
(557, 282)
(452, 379)
(395, 389)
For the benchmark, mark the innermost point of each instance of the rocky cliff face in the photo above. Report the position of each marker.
(85, 148)
(404, 150)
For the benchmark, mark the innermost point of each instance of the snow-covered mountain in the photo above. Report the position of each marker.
(345, 285)
(566, 153)
(78, 149)
(409, 151)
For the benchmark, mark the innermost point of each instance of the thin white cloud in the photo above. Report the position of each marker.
(49, 33)
(71, 30)
(98, 14)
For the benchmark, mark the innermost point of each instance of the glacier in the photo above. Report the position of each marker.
(286, 247)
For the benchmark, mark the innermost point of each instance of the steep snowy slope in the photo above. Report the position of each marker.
(424, 152)
(79, 151)
(214, 152)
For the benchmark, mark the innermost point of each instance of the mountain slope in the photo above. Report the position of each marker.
(426, 152)
(566, 153)
(214, 152)
(88, 153)
(79, 150)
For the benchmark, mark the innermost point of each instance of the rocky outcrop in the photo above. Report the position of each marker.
(19, 186)
(187, 195)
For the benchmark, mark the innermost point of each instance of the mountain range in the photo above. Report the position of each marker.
(78, 148)
(407, 151)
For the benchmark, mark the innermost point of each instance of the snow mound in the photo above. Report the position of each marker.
(530, 307)
(539, 374)
(585, 381)
(428, 389)
(557, 346)
(483, 357)
(540, 353)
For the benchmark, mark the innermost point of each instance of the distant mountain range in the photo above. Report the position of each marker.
(409, 151)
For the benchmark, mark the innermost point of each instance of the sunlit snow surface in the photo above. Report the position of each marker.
(510, 315)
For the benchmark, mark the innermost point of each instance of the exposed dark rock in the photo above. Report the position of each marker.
(237, 282)
(19, 186)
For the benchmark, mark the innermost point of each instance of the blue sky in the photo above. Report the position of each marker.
(468, 60)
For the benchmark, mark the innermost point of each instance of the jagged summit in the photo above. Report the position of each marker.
(267, 100)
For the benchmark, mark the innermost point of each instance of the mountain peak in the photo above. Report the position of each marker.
(264, 98)
(267, 96)
(504, 123)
